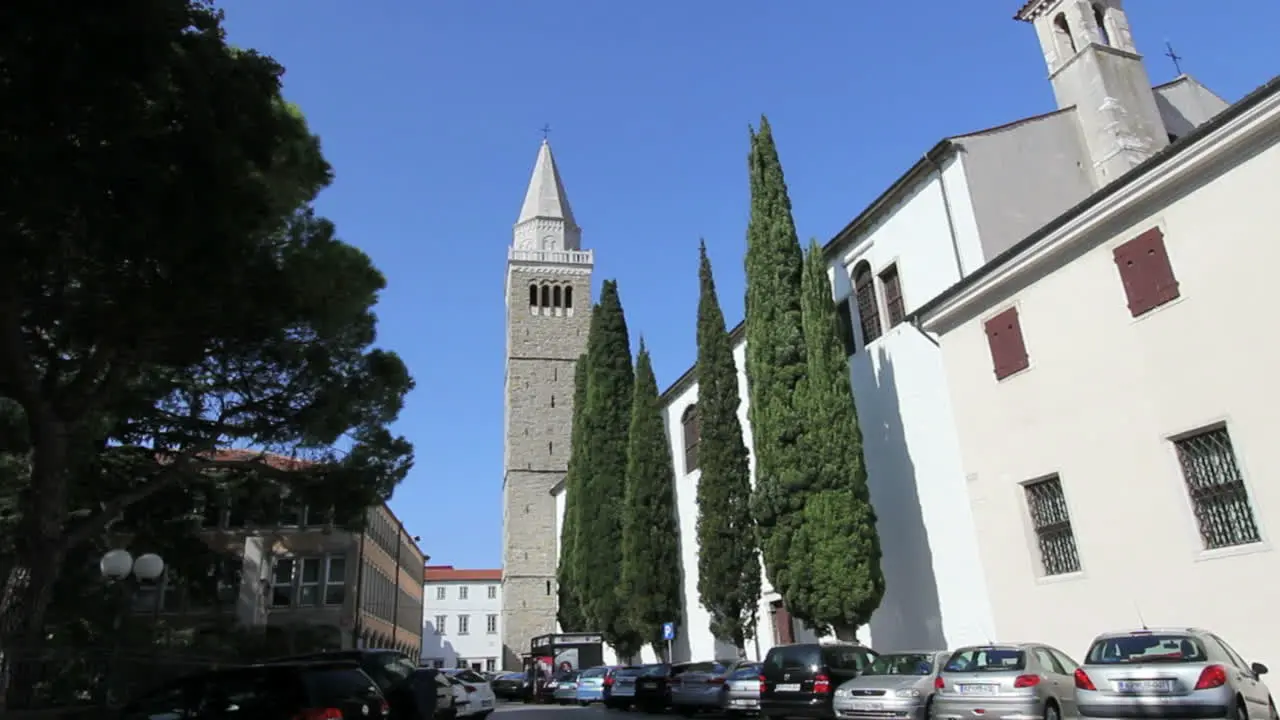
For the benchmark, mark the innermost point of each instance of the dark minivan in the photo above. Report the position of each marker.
(800, 680)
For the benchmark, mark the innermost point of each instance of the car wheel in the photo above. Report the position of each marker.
(1051, 712)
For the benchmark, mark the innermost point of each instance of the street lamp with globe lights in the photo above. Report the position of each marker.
(117, 566)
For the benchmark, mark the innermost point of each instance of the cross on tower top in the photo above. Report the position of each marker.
(1175, 57)
(546, 130)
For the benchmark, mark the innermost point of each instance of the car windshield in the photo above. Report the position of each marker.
(901, 664)
(630, 672)
(654, 670)
(749, 672)
(470, 676)
(986, 660)
(566, 676)
(594, 672)
(512, 676)
(1146, 648)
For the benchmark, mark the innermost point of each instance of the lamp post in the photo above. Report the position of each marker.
(118, 567)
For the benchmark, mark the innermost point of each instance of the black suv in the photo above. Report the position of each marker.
(280, 691)
(390, 669)
(800, 680)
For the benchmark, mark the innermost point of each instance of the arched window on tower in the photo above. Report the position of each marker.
(864, 287)
(546, 296)
(689, 428)
(1100, 16)
(1062, 36)
(568, 296)
(555, 297)
(533, 295)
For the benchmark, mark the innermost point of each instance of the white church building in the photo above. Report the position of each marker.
(956, 555)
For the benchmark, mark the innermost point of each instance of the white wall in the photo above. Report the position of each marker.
(1103, 398)
(932, 566)
(447, 644)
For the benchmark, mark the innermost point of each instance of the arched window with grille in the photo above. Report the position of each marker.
(555, 297)
(568, 296)
(689, 428)
(864, 288)
(533, 295)
(546, 296)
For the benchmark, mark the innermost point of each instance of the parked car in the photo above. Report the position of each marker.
(742, 691)
(1027, 679)
(620, 689)
(801, 679)
(653, 686)
(565, 688)
(480, 697)
(898, 684)
(278, 691)
(593, 682)
(461, 702)
(1170, 673)
(433, 694)
(390, 669)
(511, 686)
(700, 686)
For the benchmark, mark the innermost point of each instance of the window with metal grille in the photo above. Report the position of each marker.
(864, 288)
(692, 434)
(1216, 486)
(1052, 523)
(844, 323)
(893, 303)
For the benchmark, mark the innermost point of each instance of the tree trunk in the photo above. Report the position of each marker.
(846, 633)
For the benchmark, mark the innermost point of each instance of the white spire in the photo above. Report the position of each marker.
(546, 198)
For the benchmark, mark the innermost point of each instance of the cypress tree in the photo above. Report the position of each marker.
(651, 584)
(605, 421)
(837, 580)
(728, 561)
(569, 611)
(776, 362)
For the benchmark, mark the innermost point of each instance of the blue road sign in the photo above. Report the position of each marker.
(668, 631)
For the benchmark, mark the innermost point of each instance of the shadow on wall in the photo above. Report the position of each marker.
(910, 616)
(436, 647)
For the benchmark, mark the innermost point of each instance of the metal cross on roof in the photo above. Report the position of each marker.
(1175, 57)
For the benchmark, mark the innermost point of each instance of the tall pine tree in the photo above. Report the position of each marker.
(569, 611)
(651, 585)
(837, 581)
(728, 561)
(605, 422)
(775, 358)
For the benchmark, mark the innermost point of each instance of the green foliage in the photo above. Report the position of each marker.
(651, 582)
(605, 422)
(569, 612)
(775, 357)
(728, 560)
(835, 553)
(168, 293)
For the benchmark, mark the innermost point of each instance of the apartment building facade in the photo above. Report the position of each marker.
(462, 619)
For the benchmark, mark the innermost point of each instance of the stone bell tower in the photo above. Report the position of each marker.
(548, 315)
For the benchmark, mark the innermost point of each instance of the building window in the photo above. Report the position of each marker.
(1100, 17)
(437, 663)
(491, 624)
(533, 296)
(1146, 273)
(546, 296)
(441, 593)
(1062, 37)
(335, 580)
(309, 583)
(555, 296)
(1052, 524)
(1008, 351)
(864, 288)
(568, 297)
(1216, 485)
(464, 621)
(493, 592)
(844, 324)
(282, 583)
(692, 433)
(490, 665)
(441, 621)
(893, 303)
(462, 592)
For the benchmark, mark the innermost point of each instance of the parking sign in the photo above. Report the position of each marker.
(669, 631)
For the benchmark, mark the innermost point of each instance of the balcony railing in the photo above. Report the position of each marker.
(555, 257)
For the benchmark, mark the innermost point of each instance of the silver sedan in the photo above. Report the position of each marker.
(1021, 681)
(897, 685)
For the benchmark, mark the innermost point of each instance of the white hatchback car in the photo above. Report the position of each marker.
(480, 699)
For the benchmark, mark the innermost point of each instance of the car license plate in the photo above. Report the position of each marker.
(864, 705)
(1144, 686)
(743, 702)
(788, 687)
(486, 703)
(648, 684)
(977, 689)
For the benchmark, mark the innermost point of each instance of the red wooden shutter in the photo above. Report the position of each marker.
(1145, 272)
(1008, 350)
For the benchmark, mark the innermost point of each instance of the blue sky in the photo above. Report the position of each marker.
(430, 113)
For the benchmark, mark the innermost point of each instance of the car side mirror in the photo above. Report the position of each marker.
(1258, 668)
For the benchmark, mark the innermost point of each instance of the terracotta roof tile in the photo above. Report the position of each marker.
(447, 573)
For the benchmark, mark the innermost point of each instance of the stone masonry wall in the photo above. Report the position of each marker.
(542, 347)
